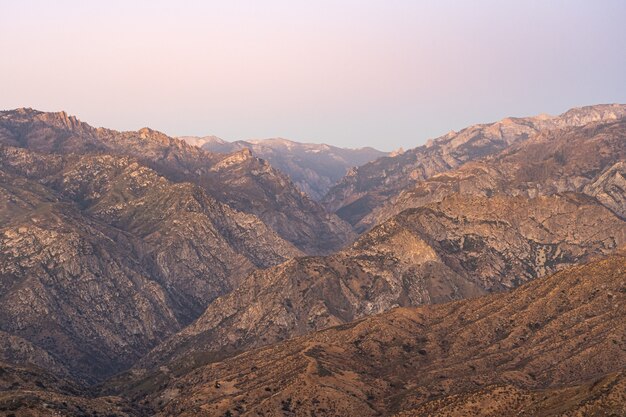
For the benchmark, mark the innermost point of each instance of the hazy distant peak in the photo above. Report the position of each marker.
(313, 167)
(201, 140)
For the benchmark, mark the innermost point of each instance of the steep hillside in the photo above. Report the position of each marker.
(101, 258)
(586, 159)
(371, 185)
(240, 180)
(562, 331)
(459, 248)
(314, 168)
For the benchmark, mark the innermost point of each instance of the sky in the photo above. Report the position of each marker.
(352, 73)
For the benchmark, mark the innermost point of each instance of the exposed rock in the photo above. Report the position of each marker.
(367, 187)
(459, 248)
(101, 258)
(610, 188)
(555, 161)
(314, 168)
(539, 340)
(245, 183)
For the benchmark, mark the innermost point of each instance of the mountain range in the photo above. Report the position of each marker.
(314, 168)
(378, 183)
(480, 274)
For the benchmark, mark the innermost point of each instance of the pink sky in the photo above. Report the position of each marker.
(350, 73)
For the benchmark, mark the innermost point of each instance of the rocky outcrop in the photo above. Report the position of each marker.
(558, 337)
(313, 168)
(366, 188)
(610, 188)
(243, 182)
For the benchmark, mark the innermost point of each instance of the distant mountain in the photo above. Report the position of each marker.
(588, 159)
(243, 182)
(314, 168)
(552, 347)
(367, 187)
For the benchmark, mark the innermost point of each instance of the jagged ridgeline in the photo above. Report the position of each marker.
(314, 168)
(142, 275)
(245, 183)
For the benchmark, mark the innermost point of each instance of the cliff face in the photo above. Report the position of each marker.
(242, 181)
(101, 258)
(558, 339)
(313, 168)
(366, 188)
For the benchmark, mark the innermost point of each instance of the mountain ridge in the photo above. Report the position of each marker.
(313, 167)
(246, 184)
(366, 188)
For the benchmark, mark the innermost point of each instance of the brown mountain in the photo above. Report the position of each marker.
(101, 258)
(459, 248)
(313, 168)
(554, 346)
(587, 159)
(367, 187)
(240, 180)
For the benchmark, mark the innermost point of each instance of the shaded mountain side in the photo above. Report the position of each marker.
(586, 159)
(313, 168)
(367, 187)
(565, 330)
(76, 288)
(30, 391)
(459, 248)
(16, 350)
(240, 180)
(101, 258)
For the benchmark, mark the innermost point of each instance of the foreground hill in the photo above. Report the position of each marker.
(367, 187)
(101, 258)
(243, 182)
(314, 168)
(558, 339)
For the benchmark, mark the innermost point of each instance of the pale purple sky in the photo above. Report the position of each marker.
(384, 73)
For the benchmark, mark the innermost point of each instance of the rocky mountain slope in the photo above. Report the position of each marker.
(101, 258)
(186, 278)
(367, 187)
(314, 168)
(559, 339)
(586, 159)
(240, 180)
(459, 248)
